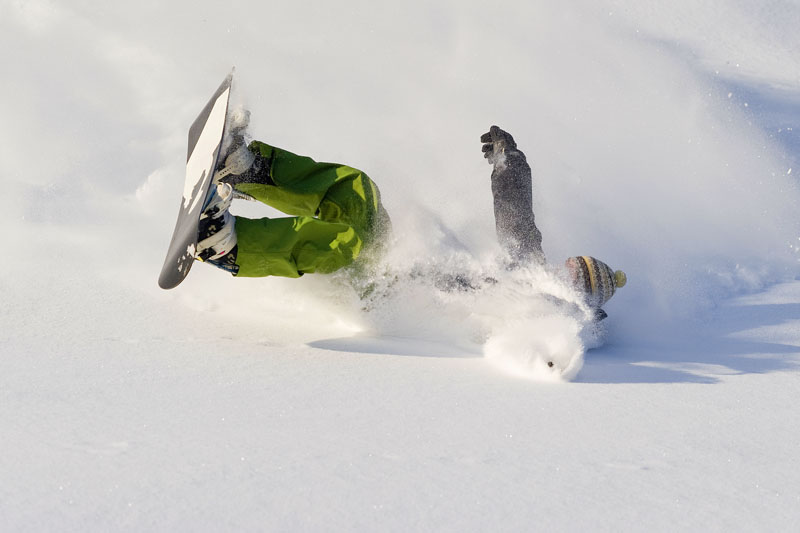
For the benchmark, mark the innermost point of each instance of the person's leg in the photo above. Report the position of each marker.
(294, 246)
(337, 207)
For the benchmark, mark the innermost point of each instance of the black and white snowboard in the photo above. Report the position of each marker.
(205, 141)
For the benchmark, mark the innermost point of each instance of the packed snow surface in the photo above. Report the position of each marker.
(664, 140)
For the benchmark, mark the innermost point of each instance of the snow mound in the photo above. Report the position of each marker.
(546, 348)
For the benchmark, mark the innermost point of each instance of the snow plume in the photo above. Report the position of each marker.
(525, 346)
(527, 321)
(537, 326)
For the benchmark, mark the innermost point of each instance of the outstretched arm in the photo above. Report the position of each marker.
(513, 198)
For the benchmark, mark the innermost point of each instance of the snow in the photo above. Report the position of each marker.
(662, 139)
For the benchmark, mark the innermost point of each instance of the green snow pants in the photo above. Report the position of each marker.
(337, 217)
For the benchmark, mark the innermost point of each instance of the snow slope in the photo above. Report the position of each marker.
(664, 140)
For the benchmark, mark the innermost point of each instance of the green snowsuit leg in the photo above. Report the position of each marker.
(338, 217)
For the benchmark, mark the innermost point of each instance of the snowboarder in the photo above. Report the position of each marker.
(337, 217)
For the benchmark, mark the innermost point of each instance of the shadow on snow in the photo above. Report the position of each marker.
(732, 344)
(402, 346)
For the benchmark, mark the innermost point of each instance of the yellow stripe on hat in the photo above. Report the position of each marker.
(592, 275)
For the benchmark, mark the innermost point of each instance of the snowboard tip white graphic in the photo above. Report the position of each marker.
(205, 140)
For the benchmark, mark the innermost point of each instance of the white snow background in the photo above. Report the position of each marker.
(664, 139)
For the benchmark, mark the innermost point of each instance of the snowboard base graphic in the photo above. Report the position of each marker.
(205, 141)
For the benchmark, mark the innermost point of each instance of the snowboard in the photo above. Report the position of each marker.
(205, 141)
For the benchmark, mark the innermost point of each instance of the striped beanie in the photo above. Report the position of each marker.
(594, 278)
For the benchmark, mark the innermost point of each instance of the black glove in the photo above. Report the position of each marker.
(496, 142)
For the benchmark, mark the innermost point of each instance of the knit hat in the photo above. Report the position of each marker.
(594, 278)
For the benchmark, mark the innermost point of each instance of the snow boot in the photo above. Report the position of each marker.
(216, 234)
(242, 164)
(234, 146)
